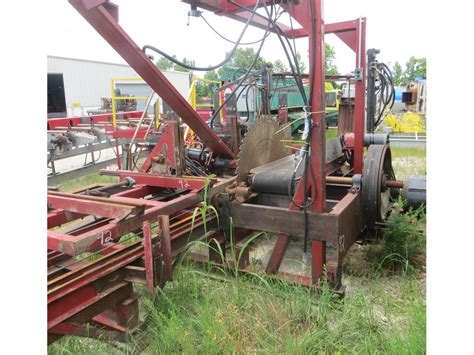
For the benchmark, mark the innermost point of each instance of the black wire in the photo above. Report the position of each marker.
(244, 77)
(212, 67)
(296, 72)
(385, 92)
(297, 76)
(229, 40)
(212, 120)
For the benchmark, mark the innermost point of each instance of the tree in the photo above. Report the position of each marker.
(183, 69)
(164, 63)
(397, 71)
(243, 58)
(204, 89)
(301, 65)
(415, 67)
(211, 75)
(279, 67)
(330, 55)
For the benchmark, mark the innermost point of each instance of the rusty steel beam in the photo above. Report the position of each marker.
(95, 239)
(183, 182)
(321, 226)
(277, 254)
(165, 235)
(103, 17)
(96, 208)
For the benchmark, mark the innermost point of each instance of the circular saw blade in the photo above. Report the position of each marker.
(261, 145)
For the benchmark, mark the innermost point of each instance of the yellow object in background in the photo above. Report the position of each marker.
(408, 122)
(392, 121)
(412, 123)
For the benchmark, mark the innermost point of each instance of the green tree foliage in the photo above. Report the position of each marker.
(243, 58)
(301, 65)
(397, 72)
(414, 68)
(211, 75)
(187, 62)
(279, 67)
(330, 55)
(204, 89)
(164, 64)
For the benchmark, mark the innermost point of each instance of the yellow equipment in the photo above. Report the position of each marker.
(408, 122)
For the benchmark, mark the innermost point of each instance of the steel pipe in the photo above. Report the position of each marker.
(348, 181)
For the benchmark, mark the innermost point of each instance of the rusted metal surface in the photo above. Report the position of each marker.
(165, 236)
(183, 182)
(95, 239)
(148, 251)
(321, 226)
(277, 254)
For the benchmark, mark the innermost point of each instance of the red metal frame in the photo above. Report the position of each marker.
(100, 292)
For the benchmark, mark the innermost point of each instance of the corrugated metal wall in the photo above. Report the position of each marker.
(86, 82)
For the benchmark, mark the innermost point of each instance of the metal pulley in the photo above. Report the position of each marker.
(375, 193)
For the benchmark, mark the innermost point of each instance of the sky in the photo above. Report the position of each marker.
(394, 27)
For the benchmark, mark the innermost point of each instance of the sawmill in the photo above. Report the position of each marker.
(225, 177)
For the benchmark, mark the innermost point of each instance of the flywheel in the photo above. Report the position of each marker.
(375, 196)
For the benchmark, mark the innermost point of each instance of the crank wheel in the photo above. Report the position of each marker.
(375, 196)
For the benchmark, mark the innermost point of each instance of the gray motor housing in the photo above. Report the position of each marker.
(414, 189)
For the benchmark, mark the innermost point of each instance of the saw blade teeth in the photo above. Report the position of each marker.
(259, 146)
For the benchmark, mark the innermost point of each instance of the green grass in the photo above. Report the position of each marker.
(408, 161)
(202, 313)
(384, 310)
(94, 178)
(405, 152)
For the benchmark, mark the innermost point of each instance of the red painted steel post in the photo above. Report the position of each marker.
(316, 189)
(166, 246)
(148, 251)
(359, 102)
(318, 138)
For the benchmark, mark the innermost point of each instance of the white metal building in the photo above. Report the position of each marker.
(76, 86)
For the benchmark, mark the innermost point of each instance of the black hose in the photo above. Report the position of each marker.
(244, 77)
(229, 40)
(212, 67)
(279, 33)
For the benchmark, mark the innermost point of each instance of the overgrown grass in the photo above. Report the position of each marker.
(403, 247)
(408, 161)
(200, 312)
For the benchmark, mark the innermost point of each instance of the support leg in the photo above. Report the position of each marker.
(278, 253)
(166, 246)
(148, 258)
